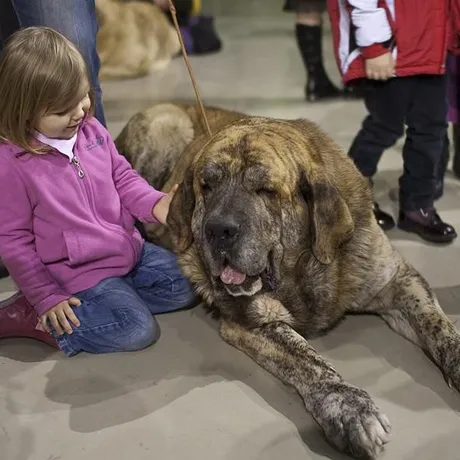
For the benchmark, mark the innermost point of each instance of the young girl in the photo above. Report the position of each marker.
(68, 203)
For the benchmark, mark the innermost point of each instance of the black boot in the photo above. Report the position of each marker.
(456, 149)
(309, 41)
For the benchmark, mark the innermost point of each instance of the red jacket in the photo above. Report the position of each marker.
(419, 33)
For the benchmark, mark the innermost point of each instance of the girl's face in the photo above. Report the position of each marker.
(63, 125)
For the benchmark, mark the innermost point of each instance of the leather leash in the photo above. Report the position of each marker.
(173, 12)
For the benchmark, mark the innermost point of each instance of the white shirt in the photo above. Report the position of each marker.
(64, 146)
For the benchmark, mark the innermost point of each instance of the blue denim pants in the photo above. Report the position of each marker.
(117, 314)
(75, 19)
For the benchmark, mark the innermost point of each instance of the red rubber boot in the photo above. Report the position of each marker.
(19, 319)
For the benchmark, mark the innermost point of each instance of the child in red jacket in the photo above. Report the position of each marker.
(399, 49)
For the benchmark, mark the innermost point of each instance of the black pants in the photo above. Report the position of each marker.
(420, 102)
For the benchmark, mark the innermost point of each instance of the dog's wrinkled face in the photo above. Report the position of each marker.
(240, 227)
(240, 203)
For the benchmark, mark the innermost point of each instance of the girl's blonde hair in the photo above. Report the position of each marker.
(41, 72)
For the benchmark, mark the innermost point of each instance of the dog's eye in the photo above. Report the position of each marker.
(205, 186)
(270, 193)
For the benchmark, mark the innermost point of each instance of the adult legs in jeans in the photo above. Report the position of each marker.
(117, 314)
(387, 103)
(76, 19)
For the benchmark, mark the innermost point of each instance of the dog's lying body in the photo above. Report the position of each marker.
(273, 224)
(134, 39)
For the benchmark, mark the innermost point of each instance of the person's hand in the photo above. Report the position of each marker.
(161, 209)
(60, 315)
(381, 67)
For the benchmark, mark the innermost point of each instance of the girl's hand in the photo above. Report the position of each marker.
(161, 209)
(59, 316)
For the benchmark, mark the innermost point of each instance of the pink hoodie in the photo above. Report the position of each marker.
(61, 233)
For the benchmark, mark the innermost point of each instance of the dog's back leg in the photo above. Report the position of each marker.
(410, 307)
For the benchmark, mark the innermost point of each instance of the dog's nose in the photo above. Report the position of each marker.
(222, 231)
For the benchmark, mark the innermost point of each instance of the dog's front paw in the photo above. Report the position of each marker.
(351, 420)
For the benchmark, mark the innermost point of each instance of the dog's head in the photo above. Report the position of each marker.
(257, 188)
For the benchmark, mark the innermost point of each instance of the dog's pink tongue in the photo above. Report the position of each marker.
(231, 276)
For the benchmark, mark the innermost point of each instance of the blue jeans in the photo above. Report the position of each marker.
(117, 314)
(76, 19)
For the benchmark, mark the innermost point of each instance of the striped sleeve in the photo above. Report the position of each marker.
(372, 27)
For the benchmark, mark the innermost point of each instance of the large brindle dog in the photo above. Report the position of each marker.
(273, 224)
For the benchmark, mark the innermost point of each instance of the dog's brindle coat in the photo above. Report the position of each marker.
(280, 202)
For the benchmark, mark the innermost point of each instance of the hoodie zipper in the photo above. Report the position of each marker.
(81, 174)
(76, 162)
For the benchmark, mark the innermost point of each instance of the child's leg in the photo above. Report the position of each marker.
(453, 115)
(159, 281)
(426, 130)
(426, 121)
(113, 319)
(442, 167)
(387, 103)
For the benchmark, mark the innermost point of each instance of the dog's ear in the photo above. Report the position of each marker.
(180, 214)
(330, 219)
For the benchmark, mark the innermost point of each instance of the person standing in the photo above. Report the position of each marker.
(404, 69)
(309, 36)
